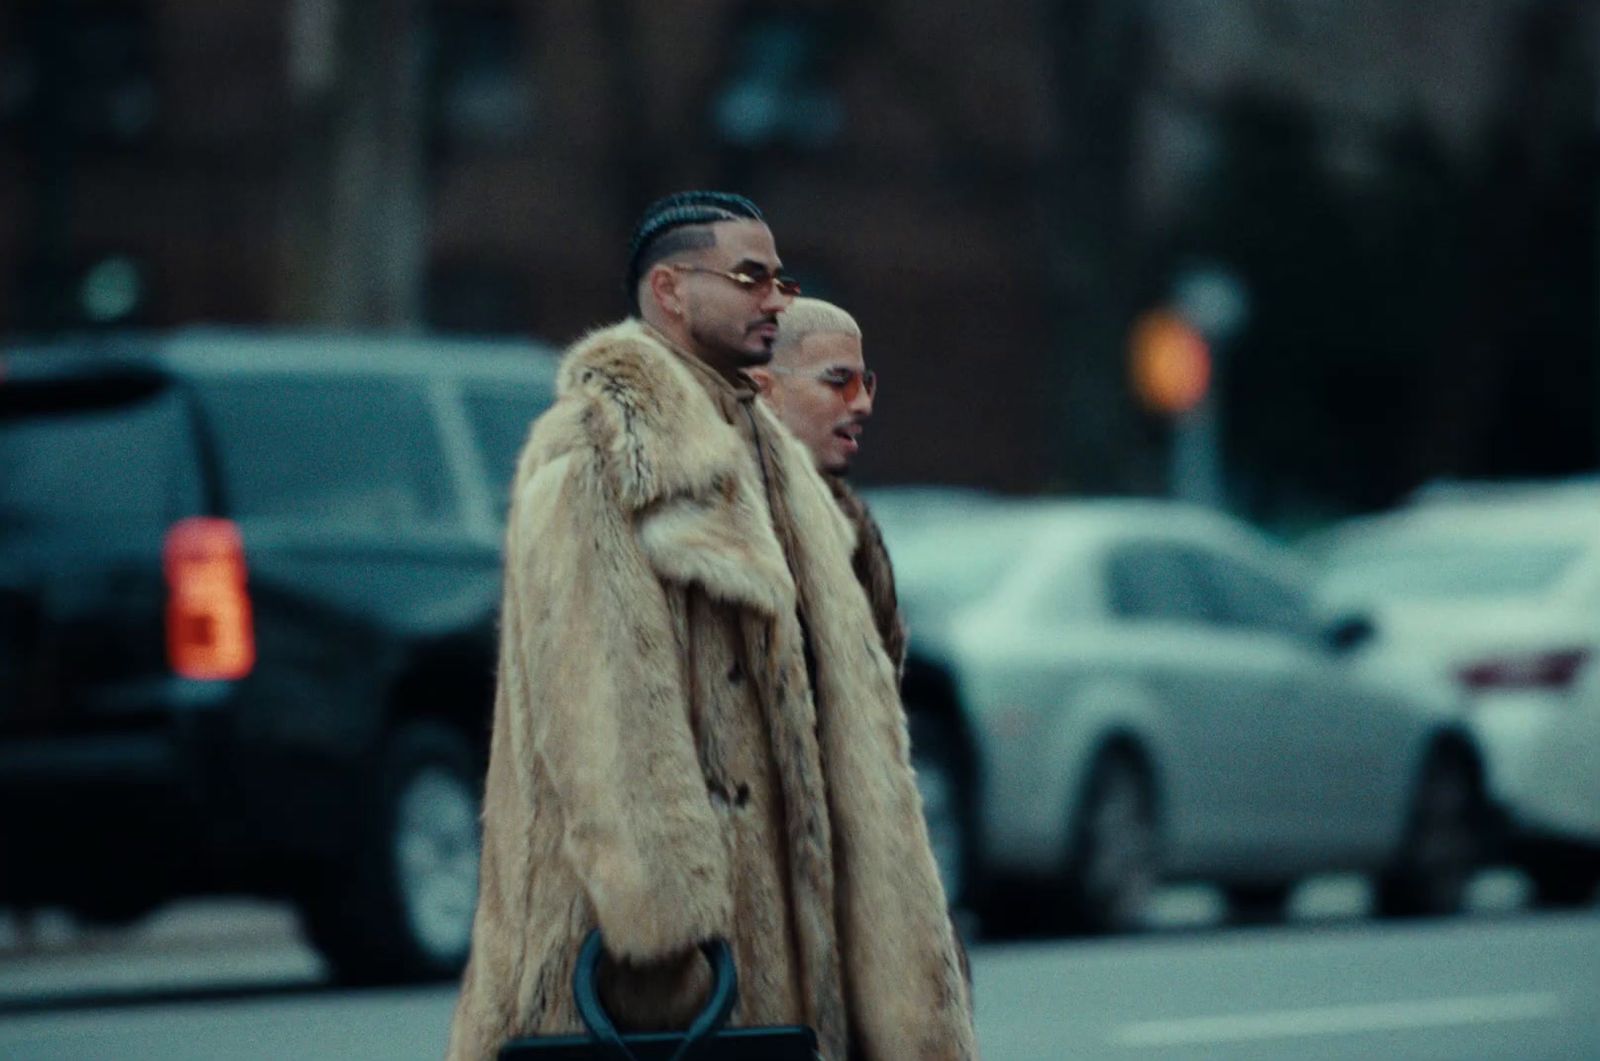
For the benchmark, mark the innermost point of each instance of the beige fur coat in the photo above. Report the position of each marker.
(874, 571)
(659, 763)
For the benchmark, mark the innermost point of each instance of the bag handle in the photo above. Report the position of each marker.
(715, 1013)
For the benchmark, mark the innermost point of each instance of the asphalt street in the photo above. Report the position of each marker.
(233, 981)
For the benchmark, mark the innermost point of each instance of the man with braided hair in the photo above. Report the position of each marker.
(697, 733)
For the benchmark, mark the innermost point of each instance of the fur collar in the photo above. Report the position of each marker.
(685, 474)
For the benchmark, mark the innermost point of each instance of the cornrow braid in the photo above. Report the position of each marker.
(679, 211)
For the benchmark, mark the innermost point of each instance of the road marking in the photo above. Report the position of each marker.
(1338, 1020)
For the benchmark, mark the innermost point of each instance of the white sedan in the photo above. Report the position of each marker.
(1108, 694)
(1499, 592)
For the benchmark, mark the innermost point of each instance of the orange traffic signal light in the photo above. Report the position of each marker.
(1169, 363)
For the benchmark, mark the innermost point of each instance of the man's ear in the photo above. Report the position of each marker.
(762, 378)
(662, 283)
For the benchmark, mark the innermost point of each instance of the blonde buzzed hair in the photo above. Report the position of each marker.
(812, 316)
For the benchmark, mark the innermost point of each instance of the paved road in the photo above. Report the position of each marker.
(1517, 988)
(1505, 985)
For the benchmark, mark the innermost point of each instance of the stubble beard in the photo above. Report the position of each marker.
(720, 353)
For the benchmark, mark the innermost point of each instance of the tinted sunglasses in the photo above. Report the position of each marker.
(787, 286)
(847, 381)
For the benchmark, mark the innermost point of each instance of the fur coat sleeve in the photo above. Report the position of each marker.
(612, 734)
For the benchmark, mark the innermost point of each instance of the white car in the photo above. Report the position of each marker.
(1500, 594)
(1107, 694)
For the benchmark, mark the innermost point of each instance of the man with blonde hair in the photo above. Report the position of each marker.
(819, 385)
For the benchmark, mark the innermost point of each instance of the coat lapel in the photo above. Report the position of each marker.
(684, 473)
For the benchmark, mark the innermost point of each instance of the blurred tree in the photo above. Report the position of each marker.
(1416, 315)
(1422, 287)
(1101, 48)
(1405, 297)
(1271, 214)
(637, 156)
(1538, 283)
(1420, 310)
(87, 70)
(356, 231)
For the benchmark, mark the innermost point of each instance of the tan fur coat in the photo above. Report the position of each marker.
(874, 571)
(659, 763)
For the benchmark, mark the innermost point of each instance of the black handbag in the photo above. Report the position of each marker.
(705, 1039)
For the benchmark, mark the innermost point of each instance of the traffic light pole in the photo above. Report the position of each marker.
(1197, 453)
(1214, 301)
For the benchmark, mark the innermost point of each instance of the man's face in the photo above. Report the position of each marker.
(733, 327)
(809, 396)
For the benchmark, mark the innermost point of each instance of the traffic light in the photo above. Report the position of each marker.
(1169, 363)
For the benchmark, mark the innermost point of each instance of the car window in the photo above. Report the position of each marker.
(123, 463)
(500, 418)
(1063, 594)
(348, 449)
(955, 563)
(1157, 581)
(1253, 599)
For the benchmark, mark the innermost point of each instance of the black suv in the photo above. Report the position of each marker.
(248, 596)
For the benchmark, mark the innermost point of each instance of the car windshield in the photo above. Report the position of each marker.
(128, 462)
(949, 564)
(1444, 570)
(356, 450)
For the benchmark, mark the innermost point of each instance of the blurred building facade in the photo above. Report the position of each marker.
(995, 196)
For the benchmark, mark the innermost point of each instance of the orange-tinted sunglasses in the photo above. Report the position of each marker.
(847, 381)
(787, 286)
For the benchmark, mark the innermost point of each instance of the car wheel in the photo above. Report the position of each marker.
(1257, 904)
(935, 756)
(1443, 845)
(400, 907)
(114, 911)
(1562, 877)
(1113, 867)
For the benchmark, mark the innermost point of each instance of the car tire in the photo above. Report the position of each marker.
(1113, 867)
(946, 803)
(1443, 845)
(399, 908)
(1563, 877)
(115, 912)
(1258, 904)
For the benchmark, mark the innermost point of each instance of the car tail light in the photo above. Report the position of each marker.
(1542, 670)
(210, 632)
